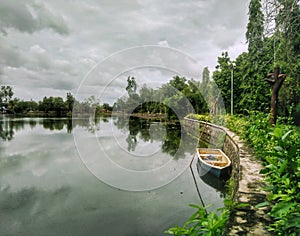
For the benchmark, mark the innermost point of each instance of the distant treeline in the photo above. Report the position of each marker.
(49, 106)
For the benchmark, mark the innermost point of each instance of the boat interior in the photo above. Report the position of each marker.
(213, 157)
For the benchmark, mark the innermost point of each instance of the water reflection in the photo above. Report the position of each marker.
(20, 209)
(10, 125)
(219, 184)
(169, 134)
(6, 131)
(27, 197)
(45, 189)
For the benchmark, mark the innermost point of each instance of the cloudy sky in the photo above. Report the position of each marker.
(48, 47)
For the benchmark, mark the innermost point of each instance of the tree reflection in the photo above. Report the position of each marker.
(32, 124)
(6, 131)
(169, 134)
(132, 142)
(69, 126)
(10, 125)
(172, 141)
(149, 131)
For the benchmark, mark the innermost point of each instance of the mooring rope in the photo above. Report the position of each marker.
(191, 168)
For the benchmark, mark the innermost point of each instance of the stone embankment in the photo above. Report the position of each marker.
(248, 182)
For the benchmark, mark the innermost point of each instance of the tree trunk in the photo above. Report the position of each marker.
(277, 81)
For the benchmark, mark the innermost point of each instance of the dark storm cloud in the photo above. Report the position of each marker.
(52, 45)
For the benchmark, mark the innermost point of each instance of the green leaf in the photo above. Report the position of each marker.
(278, 149)
(283, 166)
(243, 205)
(193, 216)
(276, 196)
(228, 202)
(264, 171)
(196, 206)
(292, 151)
(278, 132)
(282, 208)
(262, 204)
(293, 221)
(286, 134)
(271, 160)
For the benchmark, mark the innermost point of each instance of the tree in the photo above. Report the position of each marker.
(255, 32)
(287, 53)
(6, 94)
(46, 105)
(179, 83)
(69, 102)
(205, 82)
(196, 96)
(282, 26)
(276, 81)
(146, 96)
(106, 107)
(58, 105)
(205, 75)
(222, 77)
(119, 105)
(131, 85)
(254, 87)
(32, 105)
(15, 106)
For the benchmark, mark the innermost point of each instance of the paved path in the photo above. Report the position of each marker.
(249, 220)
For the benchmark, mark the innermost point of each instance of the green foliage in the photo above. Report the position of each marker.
(202, 117)
(273, 40)
(131, 85)
(278, 147)
(6, 94)
(175, 99)
(222, 77)
(50, 106)
(69, 102)
(283, 172)
(202, 223)
(255, 30)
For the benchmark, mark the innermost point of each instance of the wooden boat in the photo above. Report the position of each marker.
(214, 161)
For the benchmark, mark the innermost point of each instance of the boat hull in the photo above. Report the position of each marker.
(211, 180)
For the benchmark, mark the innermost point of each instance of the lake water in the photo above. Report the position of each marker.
(109, 176)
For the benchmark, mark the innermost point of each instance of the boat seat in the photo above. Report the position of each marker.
(217, 163)
(220, 164)
(210, 160)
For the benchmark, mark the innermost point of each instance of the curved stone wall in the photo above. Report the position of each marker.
(248, 182)
(217, 137)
